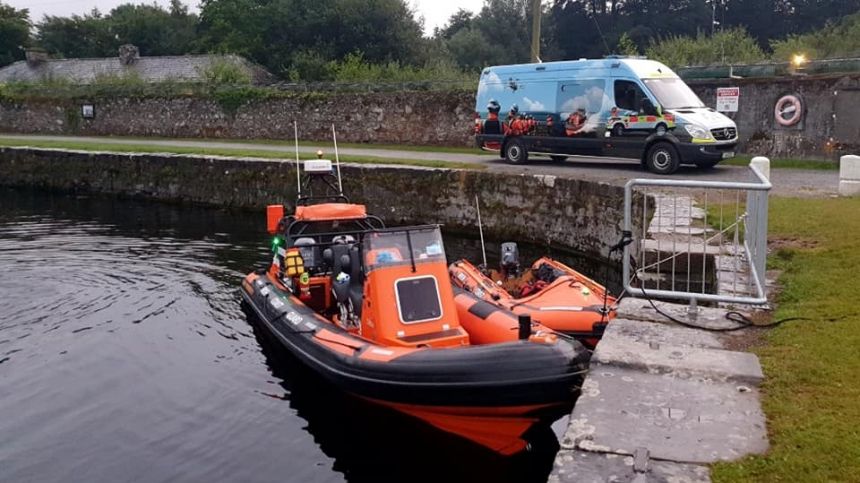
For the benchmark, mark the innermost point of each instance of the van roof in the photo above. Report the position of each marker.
(640, 68)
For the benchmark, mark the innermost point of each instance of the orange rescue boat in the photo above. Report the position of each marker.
(372, 310)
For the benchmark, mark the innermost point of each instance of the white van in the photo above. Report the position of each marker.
(619, 107)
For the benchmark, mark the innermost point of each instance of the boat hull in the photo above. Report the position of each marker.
(489, 394)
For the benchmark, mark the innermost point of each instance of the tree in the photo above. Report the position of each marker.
(281, 33)
(460, 20)
(154, 30)
(14, 33)
(841, 39)
(498, 34)
(76, 36)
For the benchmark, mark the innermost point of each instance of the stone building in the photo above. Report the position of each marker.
(181, 68)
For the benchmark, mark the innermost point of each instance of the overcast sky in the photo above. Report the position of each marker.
(435, 12)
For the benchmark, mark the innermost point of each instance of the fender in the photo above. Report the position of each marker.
(654, 138)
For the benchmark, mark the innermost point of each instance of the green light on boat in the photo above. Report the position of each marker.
(276, 242)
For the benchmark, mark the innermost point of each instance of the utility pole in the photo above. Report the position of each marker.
(535, 31)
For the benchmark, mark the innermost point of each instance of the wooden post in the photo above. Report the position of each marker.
(535, 53)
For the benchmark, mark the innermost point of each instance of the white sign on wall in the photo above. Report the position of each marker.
(727, 99)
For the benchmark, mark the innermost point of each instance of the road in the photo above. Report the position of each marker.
(786, 182)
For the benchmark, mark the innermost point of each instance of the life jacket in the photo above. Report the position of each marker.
(492, 124)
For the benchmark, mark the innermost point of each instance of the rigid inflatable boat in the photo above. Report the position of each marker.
(553, 294)
(372, 310)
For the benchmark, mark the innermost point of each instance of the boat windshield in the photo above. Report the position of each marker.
(403, 247)
(673, 93)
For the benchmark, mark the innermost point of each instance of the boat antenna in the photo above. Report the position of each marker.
(336, 161)
(481, 231)
(298, 166)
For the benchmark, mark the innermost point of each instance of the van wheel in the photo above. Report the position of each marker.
(661, 129)
(618, 130)
(558, 159)
(662, 158)
(515, 152)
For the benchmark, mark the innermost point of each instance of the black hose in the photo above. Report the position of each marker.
(742, 320)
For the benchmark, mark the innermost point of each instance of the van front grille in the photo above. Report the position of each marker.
(724, 133)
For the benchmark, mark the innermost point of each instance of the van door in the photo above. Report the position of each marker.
(630, 121)
(582, 107)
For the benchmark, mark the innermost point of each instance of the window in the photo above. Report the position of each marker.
(402, 246)
(418, 299)
(628, 95)
(586, 96)
(672, 93)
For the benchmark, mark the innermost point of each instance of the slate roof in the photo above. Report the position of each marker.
(188, 68)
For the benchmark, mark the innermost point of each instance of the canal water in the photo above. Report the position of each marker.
(125, 356)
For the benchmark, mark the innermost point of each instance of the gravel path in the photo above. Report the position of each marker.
(786, 182)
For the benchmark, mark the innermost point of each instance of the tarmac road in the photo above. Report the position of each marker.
(786, 182)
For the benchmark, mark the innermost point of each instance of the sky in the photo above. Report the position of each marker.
(435, 12)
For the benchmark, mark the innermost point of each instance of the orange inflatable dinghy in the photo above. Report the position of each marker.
(553, 294)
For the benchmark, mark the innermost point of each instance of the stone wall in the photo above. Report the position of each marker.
(567, 213)
(421, 118)
(829, 126)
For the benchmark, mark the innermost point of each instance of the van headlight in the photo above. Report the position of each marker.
(698, 132)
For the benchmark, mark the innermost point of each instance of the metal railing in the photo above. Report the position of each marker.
(700, 240)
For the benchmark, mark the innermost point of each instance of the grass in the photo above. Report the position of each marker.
(786, 163)
(811, 392)
(325, 144)
(249, 152)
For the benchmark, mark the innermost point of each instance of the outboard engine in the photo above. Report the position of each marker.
(510, 260)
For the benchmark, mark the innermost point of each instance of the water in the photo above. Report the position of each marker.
(125, 356)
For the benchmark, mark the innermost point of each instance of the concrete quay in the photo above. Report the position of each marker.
(662, 401)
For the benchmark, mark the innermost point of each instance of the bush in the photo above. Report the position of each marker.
(626, 46)
(225, 71)
(732, 46)
(353, 68)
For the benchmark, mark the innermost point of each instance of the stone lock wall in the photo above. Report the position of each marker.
(571, 214)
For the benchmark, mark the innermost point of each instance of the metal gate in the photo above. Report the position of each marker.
(705, 240)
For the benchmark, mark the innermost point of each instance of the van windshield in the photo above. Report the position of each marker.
(673, 93)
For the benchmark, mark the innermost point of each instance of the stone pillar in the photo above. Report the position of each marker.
(849, 175)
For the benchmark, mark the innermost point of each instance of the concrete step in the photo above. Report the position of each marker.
(585, 467)
(679, 362)
(640, 309)
(691, 420)
(662, 335)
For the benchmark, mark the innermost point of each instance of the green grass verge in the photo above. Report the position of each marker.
(325, 144)
(811, 392)
(778, 163)
(250, 152)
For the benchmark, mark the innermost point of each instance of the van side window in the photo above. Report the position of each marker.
(628, 95)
